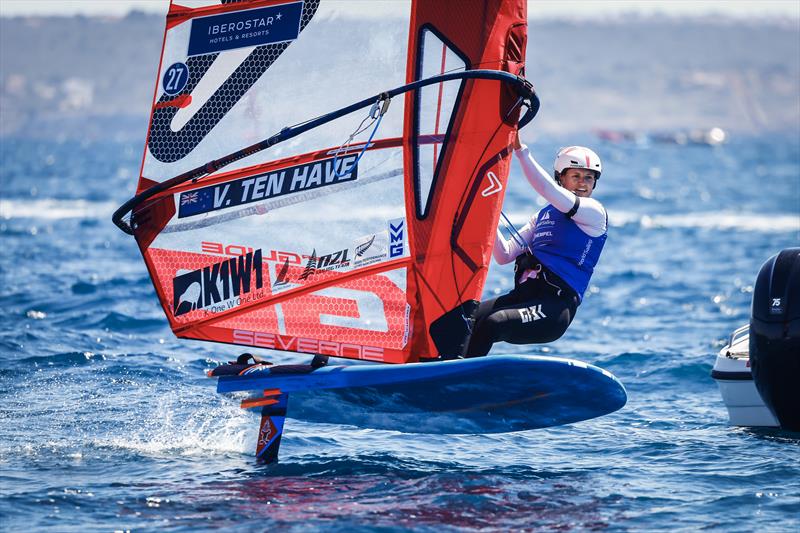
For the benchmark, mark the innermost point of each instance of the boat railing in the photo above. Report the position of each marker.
(739, 335)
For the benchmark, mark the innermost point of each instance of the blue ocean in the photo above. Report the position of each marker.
(110, 423)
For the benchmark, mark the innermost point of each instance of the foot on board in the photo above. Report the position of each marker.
(234, 368)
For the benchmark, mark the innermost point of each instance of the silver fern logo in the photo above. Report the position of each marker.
(370, 249)
(362, 248)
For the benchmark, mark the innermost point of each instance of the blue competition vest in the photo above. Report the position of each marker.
(565, 249)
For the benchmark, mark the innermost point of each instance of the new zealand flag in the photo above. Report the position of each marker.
(194, 202)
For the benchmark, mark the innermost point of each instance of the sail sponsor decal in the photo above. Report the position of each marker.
(281, 277)
(276, 341)
(216, 80)
(311, 263)
(495, 186)
(396, 237)
(371, 249)
(407, 328)
(364, 246)
(268, 185)
(220, 286)
(292, 268)
(219, 248)
(251, 27)
(332, 261)
(175, 78)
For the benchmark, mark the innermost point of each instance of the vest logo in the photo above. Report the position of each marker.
(211, 285)
(396, 239)
(544, 220)
(588, 247)
(531, 314)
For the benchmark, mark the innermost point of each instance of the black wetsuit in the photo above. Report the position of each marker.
(536, 311)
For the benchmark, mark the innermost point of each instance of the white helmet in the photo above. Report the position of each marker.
(576, 157)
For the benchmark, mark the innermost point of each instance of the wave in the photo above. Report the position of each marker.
(87, 318)
(753, 222)
(61, 359)
(213, 425)
(778, 223)
(52, 209)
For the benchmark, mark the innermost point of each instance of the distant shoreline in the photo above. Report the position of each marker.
(659, 74)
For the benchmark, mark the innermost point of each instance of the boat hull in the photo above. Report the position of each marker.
(735, 381)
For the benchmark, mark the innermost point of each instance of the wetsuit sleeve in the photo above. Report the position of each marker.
(506, 251)
(590, 215)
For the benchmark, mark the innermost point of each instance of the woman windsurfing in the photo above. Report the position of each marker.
(555, 254)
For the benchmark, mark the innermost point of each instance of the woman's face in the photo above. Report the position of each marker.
(579, 181)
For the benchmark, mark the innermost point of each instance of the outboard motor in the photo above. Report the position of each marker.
(775, 336)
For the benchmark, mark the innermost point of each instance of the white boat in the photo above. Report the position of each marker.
(732, 374)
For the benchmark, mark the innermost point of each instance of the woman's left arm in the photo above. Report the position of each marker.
(506, 251)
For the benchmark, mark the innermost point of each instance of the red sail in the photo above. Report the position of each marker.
(374, 250)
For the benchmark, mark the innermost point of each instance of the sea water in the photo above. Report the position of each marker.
(109, 423)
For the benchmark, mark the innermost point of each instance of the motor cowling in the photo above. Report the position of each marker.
(775, 336)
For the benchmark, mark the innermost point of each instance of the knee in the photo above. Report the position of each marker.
(558, 326)
(552, 335)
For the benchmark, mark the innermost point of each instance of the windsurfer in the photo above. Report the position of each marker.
(555, 255)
